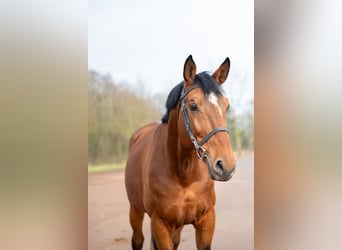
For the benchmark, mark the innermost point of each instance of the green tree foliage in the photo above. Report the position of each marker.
(114, 113)
(241, 129)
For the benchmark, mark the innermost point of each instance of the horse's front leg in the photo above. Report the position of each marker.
(205, 230)
(161, 234)
(177, 237)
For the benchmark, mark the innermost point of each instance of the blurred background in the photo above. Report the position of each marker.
(44, 115)
(298, 125)
(136, 53)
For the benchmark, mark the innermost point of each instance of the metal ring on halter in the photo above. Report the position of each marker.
(204, 152)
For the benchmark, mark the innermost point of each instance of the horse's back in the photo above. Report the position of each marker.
(142, 133)
(138, 146)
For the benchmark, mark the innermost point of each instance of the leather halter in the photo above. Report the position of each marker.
(201, 152)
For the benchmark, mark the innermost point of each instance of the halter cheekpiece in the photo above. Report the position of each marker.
(201, 152)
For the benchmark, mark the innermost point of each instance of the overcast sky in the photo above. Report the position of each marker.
(148, 41)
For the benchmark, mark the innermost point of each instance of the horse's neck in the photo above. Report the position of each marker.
(182, 161)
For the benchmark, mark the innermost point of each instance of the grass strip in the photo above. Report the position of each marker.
(105, 167)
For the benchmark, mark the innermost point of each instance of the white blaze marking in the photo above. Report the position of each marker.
(213, 99)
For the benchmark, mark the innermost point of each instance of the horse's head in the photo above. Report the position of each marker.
(202, 119)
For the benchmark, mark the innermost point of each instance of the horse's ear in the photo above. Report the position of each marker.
(189, 71)
(220, 75)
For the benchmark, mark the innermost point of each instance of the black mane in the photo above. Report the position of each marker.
(203, 80)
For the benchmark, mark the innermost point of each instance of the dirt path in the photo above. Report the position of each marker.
(108, 225)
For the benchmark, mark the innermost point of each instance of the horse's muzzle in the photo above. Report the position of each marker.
(218, 171)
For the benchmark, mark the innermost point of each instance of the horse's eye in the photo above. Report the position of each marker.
(193, 107)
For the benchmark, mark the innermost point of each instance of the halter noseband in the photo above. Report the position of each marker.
(201, 152)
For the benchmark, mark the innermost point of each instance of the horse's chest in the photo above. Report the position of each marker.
(192, 212)
(188, 208)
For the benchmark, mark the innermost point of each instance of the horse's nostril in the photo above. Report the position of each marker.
(219, 164)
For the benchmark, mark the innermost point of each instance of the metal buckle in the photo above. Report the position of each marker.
(198, 152)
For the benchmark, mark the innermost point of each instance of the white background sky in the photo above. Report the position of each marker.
(147, 42)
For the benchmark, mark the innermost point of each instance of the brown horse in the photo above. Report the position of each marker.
(172, 165)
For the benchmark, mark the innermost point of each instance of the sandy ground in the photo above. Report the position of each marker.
(108, 224)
